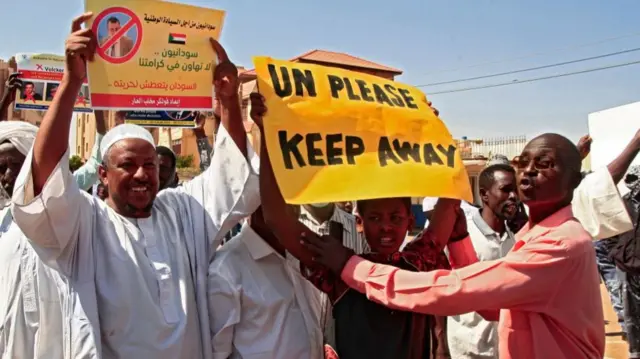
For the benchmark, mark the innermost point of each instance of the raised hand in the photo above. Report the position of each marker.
(80, 46)
(435, 110)
(258, 108)
(200, 121)
(327, 251)
(584, 146)
(13, 82)
(225, 76)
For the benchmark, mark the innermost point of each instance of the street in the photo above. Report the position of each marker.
(616, 347)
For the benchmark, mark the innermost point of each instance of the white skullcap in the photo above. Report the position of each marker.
(429, 203)
(123, 132)
(19, 133)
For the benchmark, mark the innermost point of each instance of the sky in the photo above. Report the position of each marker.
(431, 41)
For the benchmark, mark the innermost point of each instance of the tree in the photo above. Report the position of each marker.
(75, 162)
(184, 161)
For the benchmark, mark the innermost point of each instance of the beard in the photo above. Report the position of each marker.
(126, 209)
(132, 209)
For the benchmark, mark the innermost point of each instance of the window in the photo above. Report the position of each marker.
(176, 146)
(86, 147)
(79, 149)
(245, 109)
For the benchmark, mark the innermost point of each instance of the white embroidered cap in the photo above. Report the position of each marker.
(122, 132)
(20, 134)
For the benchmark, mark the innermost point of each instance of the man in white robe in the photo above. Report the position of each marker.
(138, 263)
(31, 322)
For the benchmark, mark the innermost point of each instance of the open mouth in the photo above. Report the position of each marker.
(526, 184)
(387, 241)
(140, 189)
(510, 209)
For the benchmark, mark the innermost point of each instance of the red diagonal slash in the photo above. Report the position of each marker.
(123, 30)
(39, 67)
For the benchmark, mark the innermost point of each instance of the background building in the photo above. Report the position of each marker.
(476, 152)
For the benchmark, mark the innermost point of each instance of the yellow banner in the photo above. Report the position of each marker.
(336, 135)
(152, 55)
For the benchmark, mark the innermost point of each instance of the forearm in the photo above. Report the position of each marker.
(283, 223)
(619, 166)
(4, 104)
(462, 253)
(509, 283)
(101, 122)
(442, 221)
(52, 139)
(232, 121)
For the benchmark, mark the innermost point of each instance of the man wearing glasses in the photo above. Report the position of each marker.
(545, 292)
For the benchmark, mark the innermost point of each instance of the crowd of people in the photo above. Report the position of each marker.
(118, 259)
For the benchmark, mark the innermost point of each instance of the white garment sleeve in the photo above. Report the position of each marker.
(51, 220)
(229, 188)
(224, 313)
(597, 204)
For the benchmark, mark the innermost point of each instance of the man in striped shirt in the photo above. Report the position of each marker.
(318, 218)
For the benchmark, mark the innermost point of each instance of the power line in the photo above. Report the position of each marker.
(533, 68)
(532, 55)
(515, 82)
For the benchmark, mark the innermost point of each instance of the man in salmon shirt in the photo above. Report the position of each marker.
(545, 292)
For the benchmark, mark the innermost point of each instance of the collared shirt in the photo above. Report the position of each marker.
(350, 239)
(87, 175)
(142, 283)
(469, 335)
(597, 204)
(547, 290)
(260, 306)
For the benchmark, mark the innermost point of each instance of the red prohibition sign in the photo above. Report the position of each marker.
(134, 21)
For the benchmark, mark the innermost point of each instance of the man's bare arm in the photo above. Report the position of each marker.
(52, 139)
(226, 84)
(277, 215)
(619, 166)
(12, 85)
(101, 122)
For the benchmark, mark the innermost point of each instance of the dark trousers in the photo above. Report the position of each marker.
(631, 290)
(611, 276)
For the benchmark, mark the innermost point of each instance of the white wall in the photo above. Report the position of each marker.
(72, 136)
(611, 130)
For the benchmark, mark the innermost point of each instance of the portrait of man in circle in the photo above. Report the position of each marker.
(123, 45)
